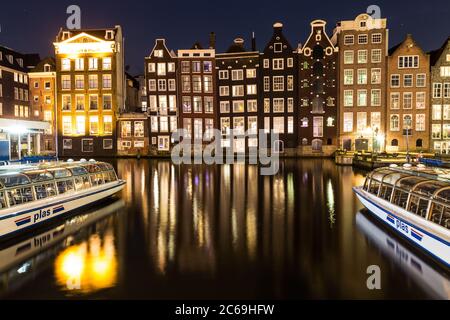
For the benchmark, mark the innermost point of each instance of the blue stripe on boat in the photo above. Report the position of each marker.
(416, 235)
(58, 209)
(23, 221)
(391, 219)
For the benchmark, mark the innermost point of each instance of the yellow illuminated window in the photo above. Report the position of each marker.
(107, 124)
(67, 125)
(93, 125)
(81, 125)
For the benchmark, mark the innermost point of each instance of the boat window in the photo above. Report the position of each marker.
(91, 168)
(430, 188)
(97, 179)
(45, 190)
(109, 176)
(82, 183)
(78, 171)
(65, 186)
(2, 200)
(38, 176)
(400, 198)
(409, 182)
(19, 195)
(440, 214)
(386, 191)
(374, 187)
(60, 173)
(418, 206)
(105, 166)
(14, 180)
(443, 195)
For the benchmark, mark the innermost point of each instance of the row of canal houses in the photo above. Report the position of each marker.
(346, 91)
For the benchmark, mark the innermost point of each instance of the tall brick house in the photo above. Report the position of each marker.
(408, 89)
(197, 75)
(440, 98)
(279, 91)
(363, 49)
(90, 79)
(318, 103)
(161, 83)
(238, 94)
(42, 82)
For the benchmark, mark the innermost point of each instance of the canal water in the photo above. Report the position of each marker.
(225, 232)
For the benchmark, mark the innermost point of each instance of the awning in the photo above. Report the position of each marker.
(22, 126)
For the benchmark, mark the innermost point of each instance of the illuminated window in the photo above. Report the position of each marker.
(173, 124)
(93, 63)
(66, 102)
(196, 84)
(161, 69)
(251, 73)
(376, 55)
(172, 103)
(198, 129)
(209, 106)
(153, 125)
(67, 125)
(375, 97)
(79, 64)
(362, 56)
(163, 125)
(348, 121)
(207, 84)
(420, 122)
(348, 76)
(65, 64)
(139, 129)
(79, 102)
(65, 82)
(198, 104)
(93, 125)
(252, 105)
(107, 102)
(125, 129)
(93, 102)
(79, 82)
(278, 105)
(407, 100)
(278, 124)
(107, 124)
(107, 81)
(93, 81)
(237, 75)
(251, 89)
(170, 67)
(395, 122)
(80, 125)
(238, 91)
(420, 100)
(278, 83)
(187, 106)
(238, 106)
(207, 66)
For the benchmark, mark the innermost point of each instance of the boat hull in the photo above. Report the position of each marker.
(28, 218)
(436, 246)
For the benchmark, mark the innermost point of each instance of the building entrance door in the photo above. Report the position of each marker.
(14, 147)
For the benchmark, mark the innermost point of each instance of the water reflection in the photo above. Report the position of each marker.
(434, 282)
(205, 232)
(80, 266)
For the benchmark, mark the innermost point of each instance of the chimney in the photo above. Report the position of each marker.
(212, 40)
(253, 42)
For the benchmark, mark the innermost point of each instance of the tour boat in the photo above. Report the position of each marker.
(31, 195)
(415, 202)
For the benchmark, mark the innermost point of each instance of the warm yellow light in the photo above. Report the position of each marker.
(74, 49)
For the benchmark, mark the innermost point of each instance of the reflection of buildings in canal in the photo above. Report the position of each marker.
(83, 245)
(435, 284)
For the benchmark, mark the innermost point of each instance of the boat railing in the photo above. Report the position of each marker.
(24, 187)
(430, 207)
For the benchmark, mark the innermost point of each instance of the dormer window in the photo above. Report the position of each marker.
(20, 62)
(158, 53)
(10, 58)
(109, 35)
(66, 35)
(47, 68)
(278, 47)
(1, 56)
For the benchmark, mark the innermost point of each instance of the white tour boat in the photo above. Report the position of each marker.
(415, 202)
(34, 194)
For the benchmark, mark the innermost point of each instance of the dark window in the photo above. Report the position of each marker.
(394, 143)
(318, 69)
(317, 52)
(419, 143)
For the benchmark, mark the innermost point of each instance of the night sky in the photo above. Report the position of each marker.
(31, 26)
